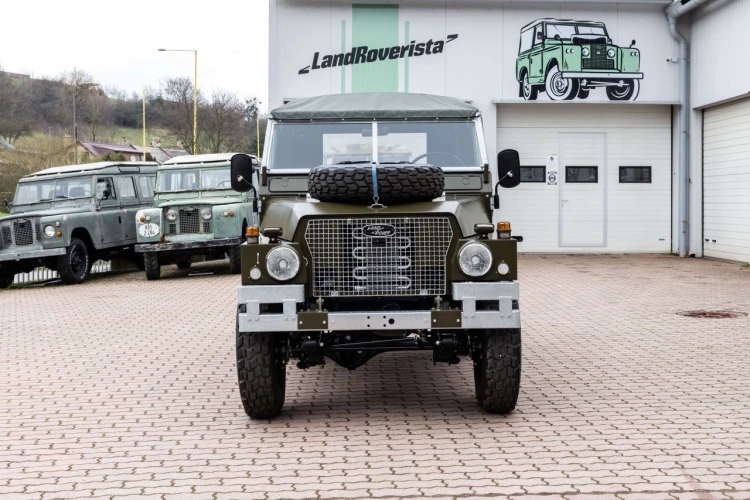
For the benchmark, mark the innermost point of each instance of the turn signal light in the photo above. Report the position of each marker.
(59, 233)
(142, 219)
(503, 230)
(231, 214)
(252, 231)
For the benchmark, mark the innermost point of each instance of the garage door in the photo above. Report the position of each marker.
(595, 178)
(726, 181)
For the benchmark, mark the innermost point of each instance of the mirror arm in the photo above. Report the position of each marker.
(495, 196)
(252, 188)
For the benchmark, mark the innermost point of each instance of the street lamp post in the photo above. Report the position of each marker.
(195, 92)
(76, 87)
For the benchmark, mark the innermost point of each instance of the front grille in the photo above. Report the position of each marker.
(207, 227)
(38, 232)
(379, 257)
(598, 59)
(7, 236)
(173, 228)
(22, 230)
(189, 221)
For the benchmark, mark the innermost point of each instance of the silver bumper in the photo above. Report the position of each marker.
(600, 76)
(31, 254)
(186, 245)
(289, 320)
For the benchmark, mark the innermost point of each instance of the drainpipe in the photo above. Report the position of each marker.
(673, 12)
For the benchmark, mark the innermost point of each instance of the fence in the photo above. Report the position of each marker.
(44, 274)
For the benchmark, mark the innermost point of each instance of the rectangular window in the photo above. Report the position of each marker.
(146, 183)
(527, 40)
(126, 188)
(105, 189)
(533, 174)
(635, 175)
(582, 174)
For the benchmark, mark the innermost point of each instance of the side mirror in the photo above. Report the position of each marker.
(539, 36)
(508, 172)
(632, 44)
(242, 173)
(106, 194)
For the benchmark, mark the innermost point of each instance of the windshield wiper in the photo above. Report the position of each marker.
(351, 162)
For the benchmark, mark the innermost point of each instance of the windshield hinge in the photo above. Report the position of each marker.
(486, 172)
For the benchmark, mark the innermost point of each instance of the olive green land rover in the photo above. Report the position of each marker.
(65, 218)
(377, 229)
(196, 215)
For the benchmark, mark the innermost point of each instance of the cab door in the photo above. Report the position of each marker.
(109, 211)
(129, 204)
(536, 63)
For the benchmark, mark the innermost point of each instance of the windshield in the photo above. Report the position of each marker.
(565, 31)
(308, 145)
(193, 179)
(48, 190)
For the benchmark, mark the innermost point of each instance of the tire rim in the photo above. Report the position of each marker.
(559, 85)
(621, 93)
(76, 261)
(526, 86)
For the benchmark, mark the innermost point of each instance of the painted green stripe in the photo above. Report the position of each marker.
(406, 59)
(343, 51)
(375, 26)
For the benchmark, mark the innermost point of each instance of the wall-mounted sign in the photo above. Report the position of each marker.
(552, 170)
(364, 54)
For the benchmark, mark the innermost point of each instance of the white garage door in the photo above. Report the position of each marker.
(611, 191)
(726, 181)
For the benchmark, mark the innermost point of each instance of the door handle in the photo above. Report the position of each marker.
(119, 218)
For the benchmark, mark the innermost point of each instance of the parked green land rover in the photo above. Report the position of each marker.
(378, 236)
(567, 59)
(65, 218)
(195, 215)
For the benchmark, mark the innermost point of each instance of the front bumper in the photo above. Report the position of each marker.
(467, 317)
(186, 245)
(18, 255)
(602, 76)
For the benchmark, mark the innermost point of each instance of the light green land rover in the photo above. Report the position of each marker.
(195, 215)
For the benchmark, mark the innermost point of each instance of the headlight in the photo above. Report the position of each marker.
(49, 231)
(206, 213)
(634, 54)
(475, 259)
(282, 263)
(171, 215)
(586, 51)
(611, 52)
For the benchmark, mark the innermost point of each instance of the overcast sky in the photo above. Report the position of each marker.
(117, 42)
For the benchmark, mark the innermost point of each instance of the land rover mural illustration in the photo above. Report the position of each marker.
(568, 59)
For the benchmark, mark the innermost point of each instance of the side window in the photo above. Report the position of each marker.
(533, 174)
(538, 35)
(635, 175)
(105, 189)
(146, 184)
(126, 188)
(527, 40)
(582, 174)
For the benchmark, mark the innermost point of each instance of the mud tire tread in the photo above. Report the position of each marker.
(260, 373)
(152, 266)
(498, 371)
(64, 269)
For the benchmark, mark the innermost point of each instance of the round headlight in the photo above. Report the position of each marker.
(206, 213)
(282, 263)
(475, 259)
(171, 215)
(49, 231)
(634, 53)
(611, 52)
(586, 51)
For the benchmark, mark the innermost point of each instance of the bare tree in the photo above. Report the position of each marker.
(178, 109)
(15, 110)
(222, 122)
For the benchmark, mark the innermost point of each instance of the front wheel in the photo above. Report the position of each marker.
(6, 279)
(627, 91)
(235, 259)
(529, 91)
(261, 372)
(559, 88)
(152, 266)
(497, 369)
(75, 265)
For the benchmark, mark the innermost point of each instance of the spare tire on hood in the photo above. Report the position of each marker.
(396, 183)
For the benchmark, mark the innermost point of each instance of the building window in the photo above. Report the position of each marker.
(635, 175)
(582, 174)
(533, 174)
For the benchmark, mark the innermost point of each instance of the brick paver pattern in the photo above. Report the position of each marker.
(122, 387)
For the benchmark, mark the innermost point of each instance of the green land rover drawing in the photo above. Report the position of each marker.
(195, 215)
(567, 59)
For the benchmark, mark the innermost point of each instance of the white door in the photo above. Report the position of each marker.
(583, 181)
(726, 181)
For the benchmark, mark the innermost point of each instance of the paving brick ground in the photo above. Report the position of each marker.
(121, 387)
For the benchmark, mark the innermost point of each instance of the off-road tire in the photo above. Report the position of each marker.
(75, 264)
(497, 369)
(629, 92)
(235, 259)
(396, 183)
(183, 264)
(6, 279)
(528, 91)
(261, 373)
(152, 266)
(559, 88)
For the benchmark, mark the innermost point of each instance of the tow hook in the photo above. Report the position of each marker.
(445, 350)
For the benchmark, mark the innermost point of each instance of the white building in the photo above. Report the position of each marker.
(587, 91)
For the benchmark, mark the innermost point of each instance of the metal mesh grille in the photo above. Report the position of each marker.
(598, 59)
(189, 221)
(7, 237)
(207, 227)
(22, 230)
(38, 232)
(173, 228)
(375, 257)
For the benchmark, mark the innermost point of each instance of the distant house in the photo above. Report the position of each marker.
(129, 151)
